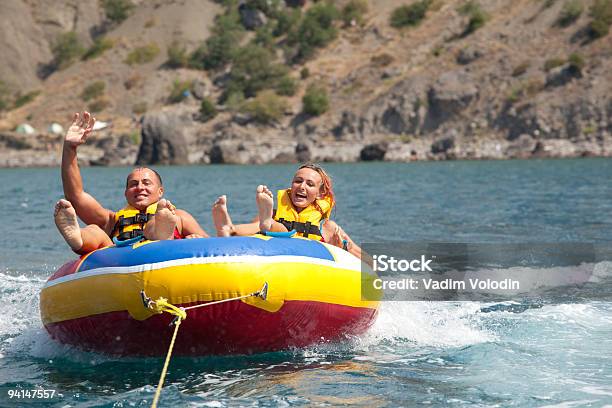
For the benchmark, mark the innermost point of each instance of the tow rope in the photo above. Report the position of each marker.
(162, 305)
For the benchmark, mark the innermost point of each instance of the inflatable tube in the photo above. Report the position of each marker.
(314, 295)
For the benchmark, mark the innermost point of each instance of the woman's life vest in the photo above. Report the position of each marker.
(307, 223)
(130, 222)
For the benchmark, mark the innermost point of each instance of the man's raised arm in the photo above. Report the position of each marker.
(86, 207)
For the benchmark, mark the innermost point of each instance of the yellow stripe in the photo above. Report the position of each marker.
(200, 283)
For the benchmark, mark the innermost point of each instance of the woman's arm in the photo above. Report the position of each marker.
(335, 235)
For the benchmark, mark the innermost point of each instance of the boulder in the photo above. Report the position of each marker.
(560, 76)
(251, 17)
(373, 152)
(469, 54)
(449, 95)
(163, 139)
(442, 145)
(302, 153)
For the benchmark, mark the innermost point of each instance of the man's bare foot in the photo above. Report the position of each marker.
(265, 205)
(67, 224)
(221, 219)
(163, 223)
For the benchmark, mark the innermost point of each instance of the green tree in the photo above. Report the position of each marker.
(66, 49)
(99, 46)
(409, 15)
(117, 10)
(207, 110)
(477, 16)
(253, 69)
(601, 12)
(177, 56)
(142, 55)
(315, 100)
(266, 108)
(572, 9)
(315, 30)
(218, 49)
(354, 11)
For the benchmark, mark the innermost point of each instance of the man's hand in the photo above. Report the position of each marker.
(80, 129)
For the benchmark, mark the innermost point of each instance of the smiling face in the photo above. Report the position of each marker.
(305, 188)
(143, 188)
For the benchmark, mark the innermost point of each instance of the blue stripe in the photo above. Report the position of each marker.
(203, 247)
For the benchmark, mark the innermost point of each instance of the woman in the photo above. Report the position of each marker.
(304, 207)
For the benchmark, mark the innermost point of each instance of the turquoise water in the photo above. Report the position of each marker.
(434, 353)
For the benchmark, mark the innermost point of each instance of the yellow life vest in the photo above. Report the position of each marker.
(130, 222)
(307, 222)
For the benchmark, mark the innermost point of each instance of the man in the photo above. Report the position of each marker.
(147, 213)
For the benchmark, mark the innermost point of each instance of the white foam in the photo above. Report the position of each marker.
(20, 297)
(438, 324)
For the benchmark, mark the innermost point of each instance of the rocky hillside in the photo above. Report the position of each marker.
(192, 81)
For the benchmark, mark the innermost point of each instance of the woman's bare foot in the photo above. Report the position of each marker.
(221, 219)
(265, 205)
(162, 225)
(67, 224)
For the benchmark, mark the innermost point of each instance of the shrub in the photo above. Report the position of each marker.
(286, 86)
(572, 9)
(177, 56)
(219, 48)
(601, 12)
(99, 46)
(553, 63)
(142, 55)
(315, 100)
(409, 15)
(253, 69)
(527, 88)
(286, 20)
(477, 16)
(354, 11)
(576, 63)
(93, 90)
(264, 37)
(180, 91)
(135, 137)
(140, 107)
(304, 73)
(266, 108)
(315, 30)
(207, 110)
(234, 101)
(99, 105)
(520, 69)
(117, 10)
(382, 60)
(25, 98)
(66, 49)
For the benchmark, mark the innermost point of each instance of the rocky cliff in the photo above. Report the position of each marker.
(523, 81)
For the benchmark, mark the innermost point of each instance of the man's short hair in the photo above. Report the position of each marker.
(144, 168)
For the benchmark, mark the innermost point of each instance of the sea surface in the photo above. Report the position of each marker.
(553, 353)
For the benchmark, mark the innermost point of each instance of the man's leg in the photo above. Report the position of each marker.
(81, 240)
